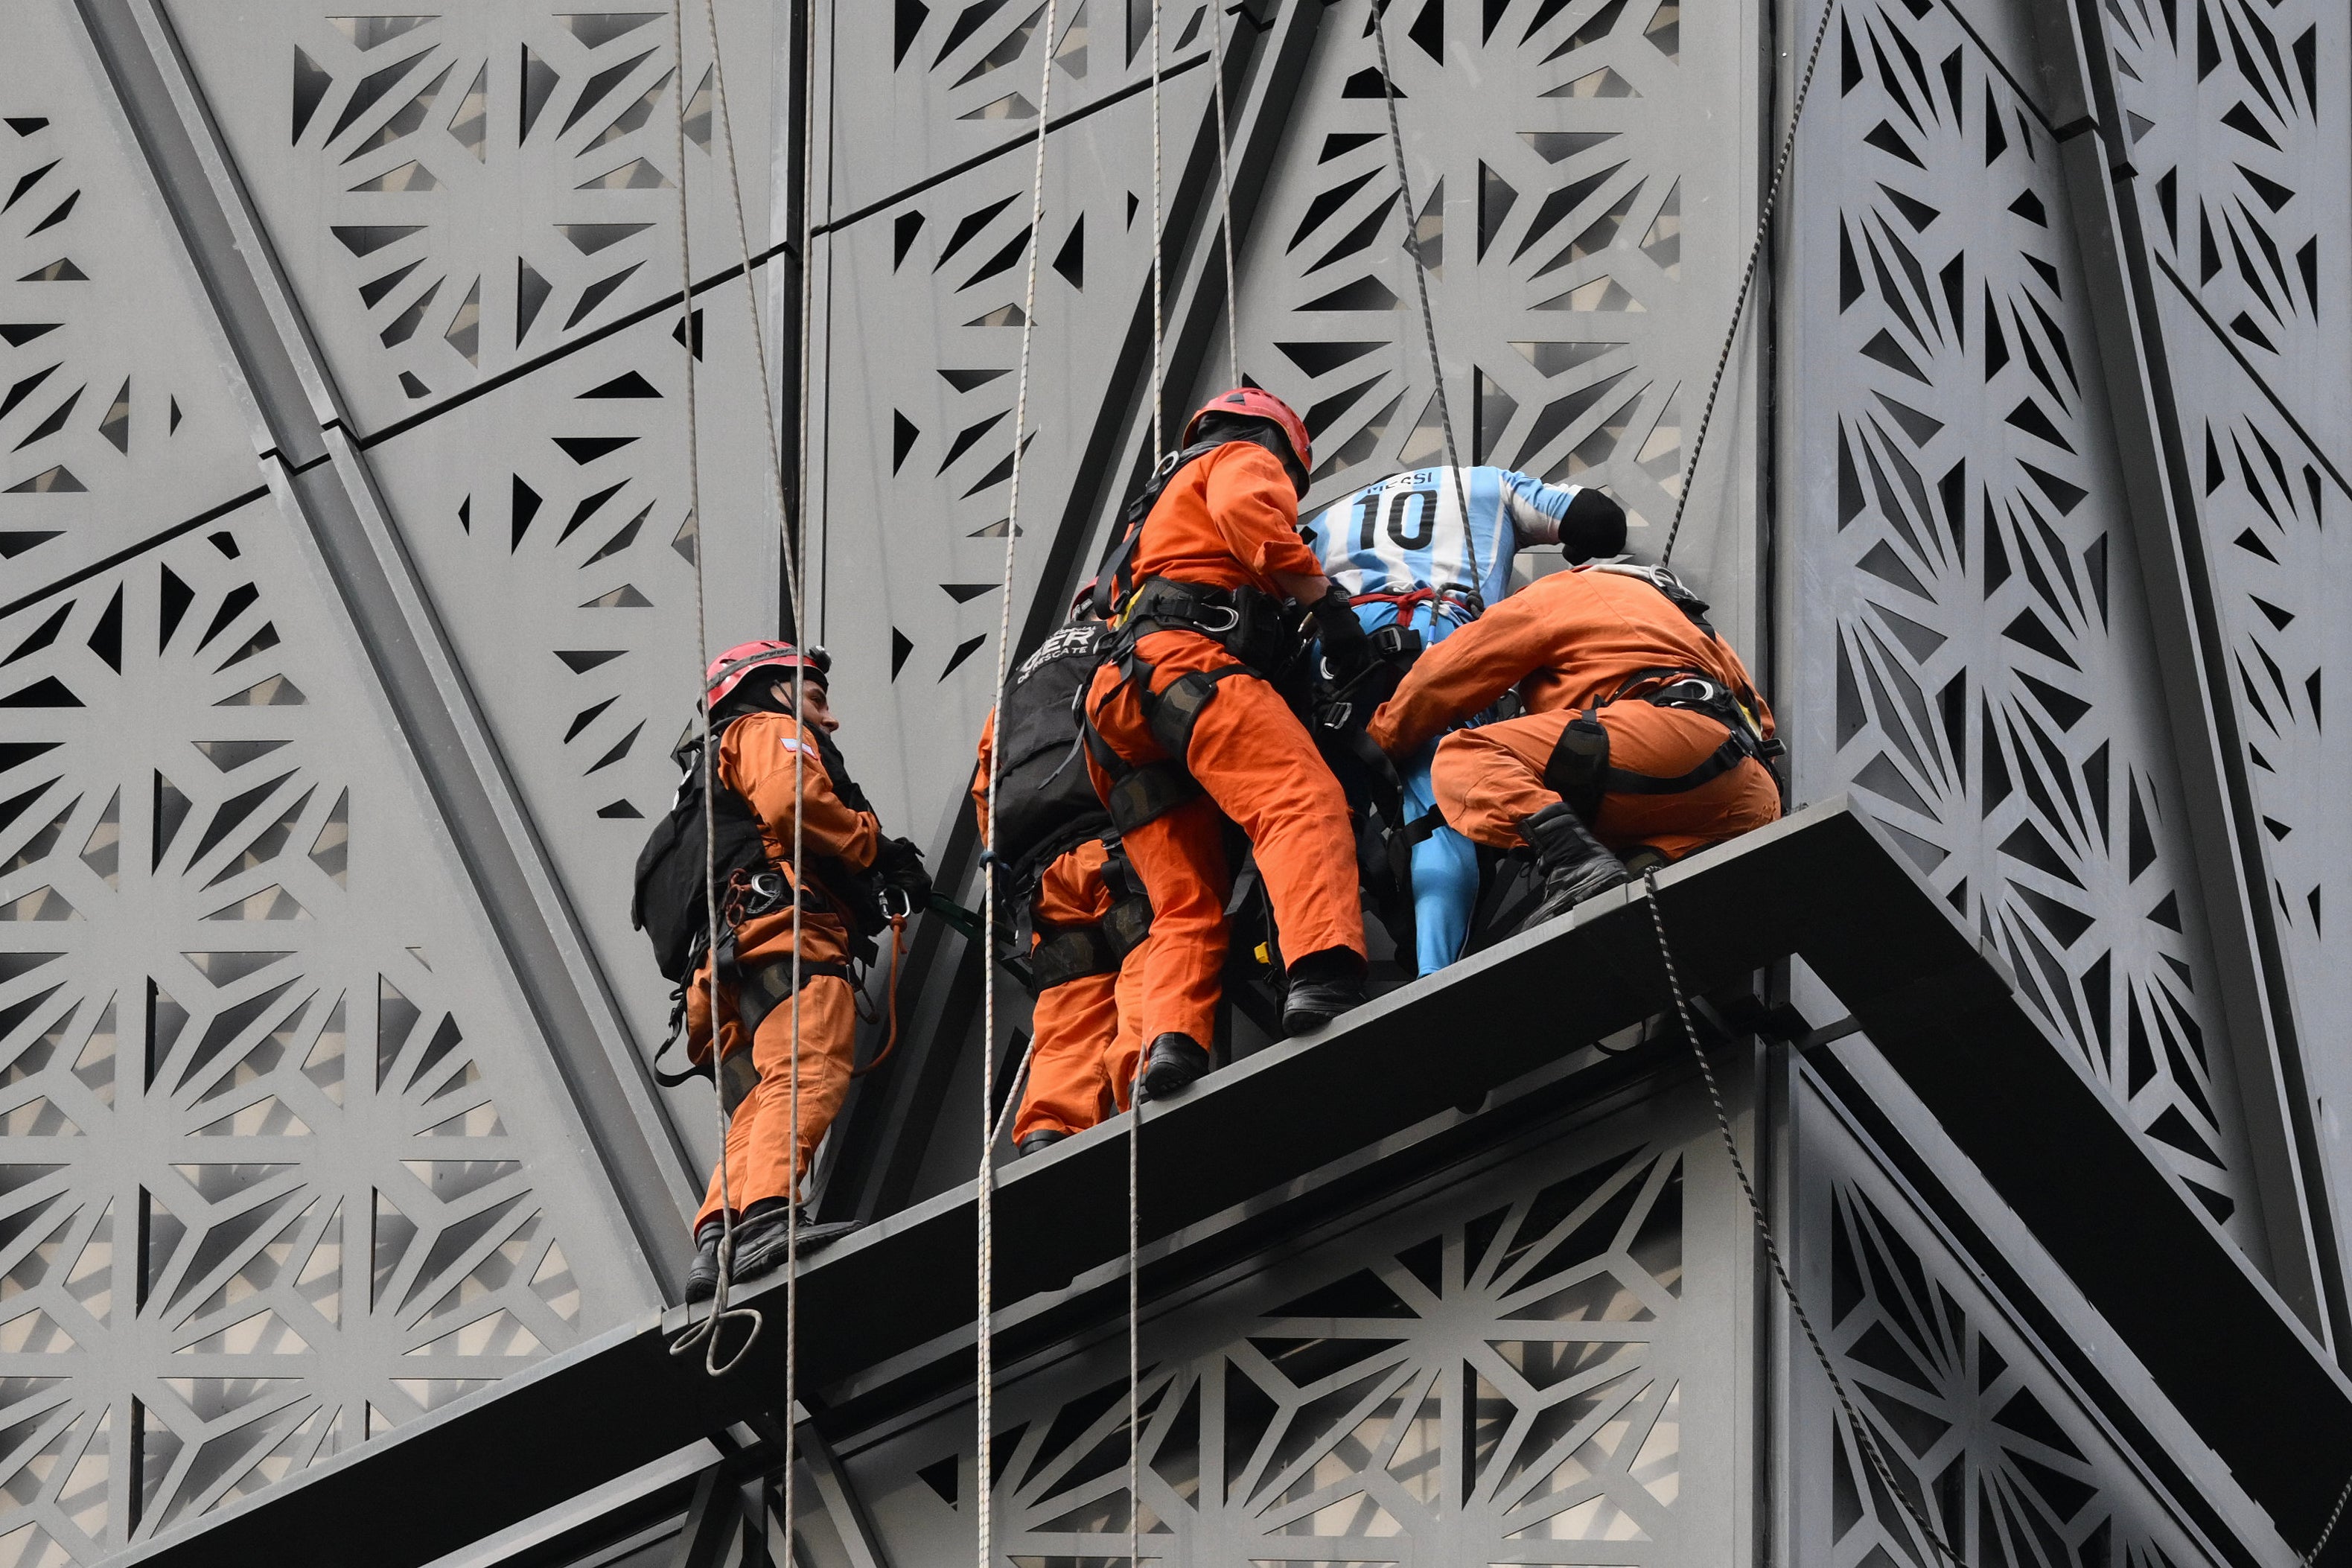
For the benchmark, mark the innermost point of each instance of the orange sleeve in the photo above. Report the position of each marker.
(979, 773)
(758, 755)
(1256, 511)
(1468, 670)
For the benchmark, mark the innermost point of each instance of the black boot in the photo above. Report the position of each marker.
(1174, 1063)
(762, 1240)
(1037, 1142)
(1575, 864)
(702, 1276)
(1322, 986)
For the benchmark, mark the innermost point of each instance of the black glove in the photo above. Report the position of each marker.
(899, 863)
(1594, 529)
(1347, 651)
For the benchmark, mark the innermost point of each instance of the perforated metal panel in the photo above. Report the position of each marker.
(1583, 184)
(1538, 1365)
(2237, 138)
(476, 213)
(318, 1006)
(1973, 647)
(2001, 1453)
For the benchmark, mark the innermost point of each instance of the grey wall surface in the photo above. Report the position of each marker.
(2240, 143)
(305, 1134)
(2008, 1456)
(1987, 619)
(347, 613)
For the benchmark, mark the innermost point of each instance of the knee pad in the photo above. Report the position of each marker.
(1578, 769)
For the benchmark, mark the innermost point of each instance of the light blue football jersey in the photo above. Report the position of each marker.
(1406, 531)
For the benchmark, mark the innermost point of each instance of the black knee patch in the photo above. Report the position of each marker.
(1577, 768)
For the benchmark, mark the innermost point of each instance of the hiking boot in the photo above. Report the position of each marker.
(762, 1241)
(1575, 865)
(1037, 1142)
(703, 1274)
(1322, 986)
(1173, 1064)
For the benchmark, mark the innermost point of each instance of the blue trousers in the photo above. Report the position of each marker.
(1445, 864)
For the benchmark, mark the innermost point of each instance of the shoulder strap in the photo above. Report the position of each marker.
(1666, 583)
(1115, 578)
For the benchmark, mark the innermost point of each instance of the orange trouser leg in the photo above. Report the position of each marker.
(762, 1162)
(1074, 1024)
(1178, 970)
(1490, 779)
(1254, 759)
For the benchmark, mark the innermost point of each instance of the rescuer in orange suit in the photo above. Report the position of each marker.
(1182, 700)
(1082, 1063)
(1644, 737)
(751, 689)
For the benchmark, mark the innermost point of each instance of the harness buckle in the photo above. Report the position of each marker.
(763, 891)
(1233, 622)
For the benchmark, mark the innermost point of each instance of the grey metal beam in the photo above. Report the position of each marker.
(2074, 60)
(1823, 884)
(330, 484)
(713, 1519)
(858, 1536)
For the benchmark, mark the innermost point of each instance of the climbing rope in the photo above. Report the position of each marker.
(1134, 1099)
(1867, 1439)
(2328, 1532)
(1225, 196)
(789, 540)
(985, 1181)
(1421, 292)
(707, 1333)
(1748, 275)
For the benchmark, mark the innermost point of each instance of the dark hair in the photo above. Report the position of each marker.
(1257, 431)
(764, 690)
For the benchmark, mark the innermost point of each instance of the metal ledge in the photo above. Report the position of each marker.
(1822, 884)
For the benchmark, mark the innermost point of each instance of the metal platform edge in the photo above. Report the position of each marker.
(1822, 885)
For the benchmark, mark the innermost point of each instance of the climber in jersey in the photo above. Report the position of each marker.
(1061, 865)
(1399, 548)
(1644, 739)
(1185, 723)
(780, 760)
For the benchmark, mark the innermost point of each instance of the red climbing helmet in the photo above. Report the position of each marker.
(1255, 403)
(728, 670)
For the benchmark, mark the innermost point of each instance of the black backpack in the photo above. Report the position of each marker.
(1045, 802)
(670, 904)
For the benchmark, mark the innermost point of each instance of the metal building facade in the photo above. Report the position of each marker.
(348, 614)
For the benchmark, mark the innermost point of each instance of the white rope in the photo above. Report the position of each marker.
(707, 1333)
(786, 542)
(1159, 326)
(1421, 292)
(1225, 195)
(985, 1180)
(1134, 1095)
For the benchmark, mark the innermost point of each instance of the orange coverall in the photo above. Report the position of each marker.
(1568, 641)
(1227, 519)
(756, 759)
(1082, 1067)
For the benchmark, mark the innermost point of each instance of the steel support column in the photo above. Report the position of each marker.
(2074, 60)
